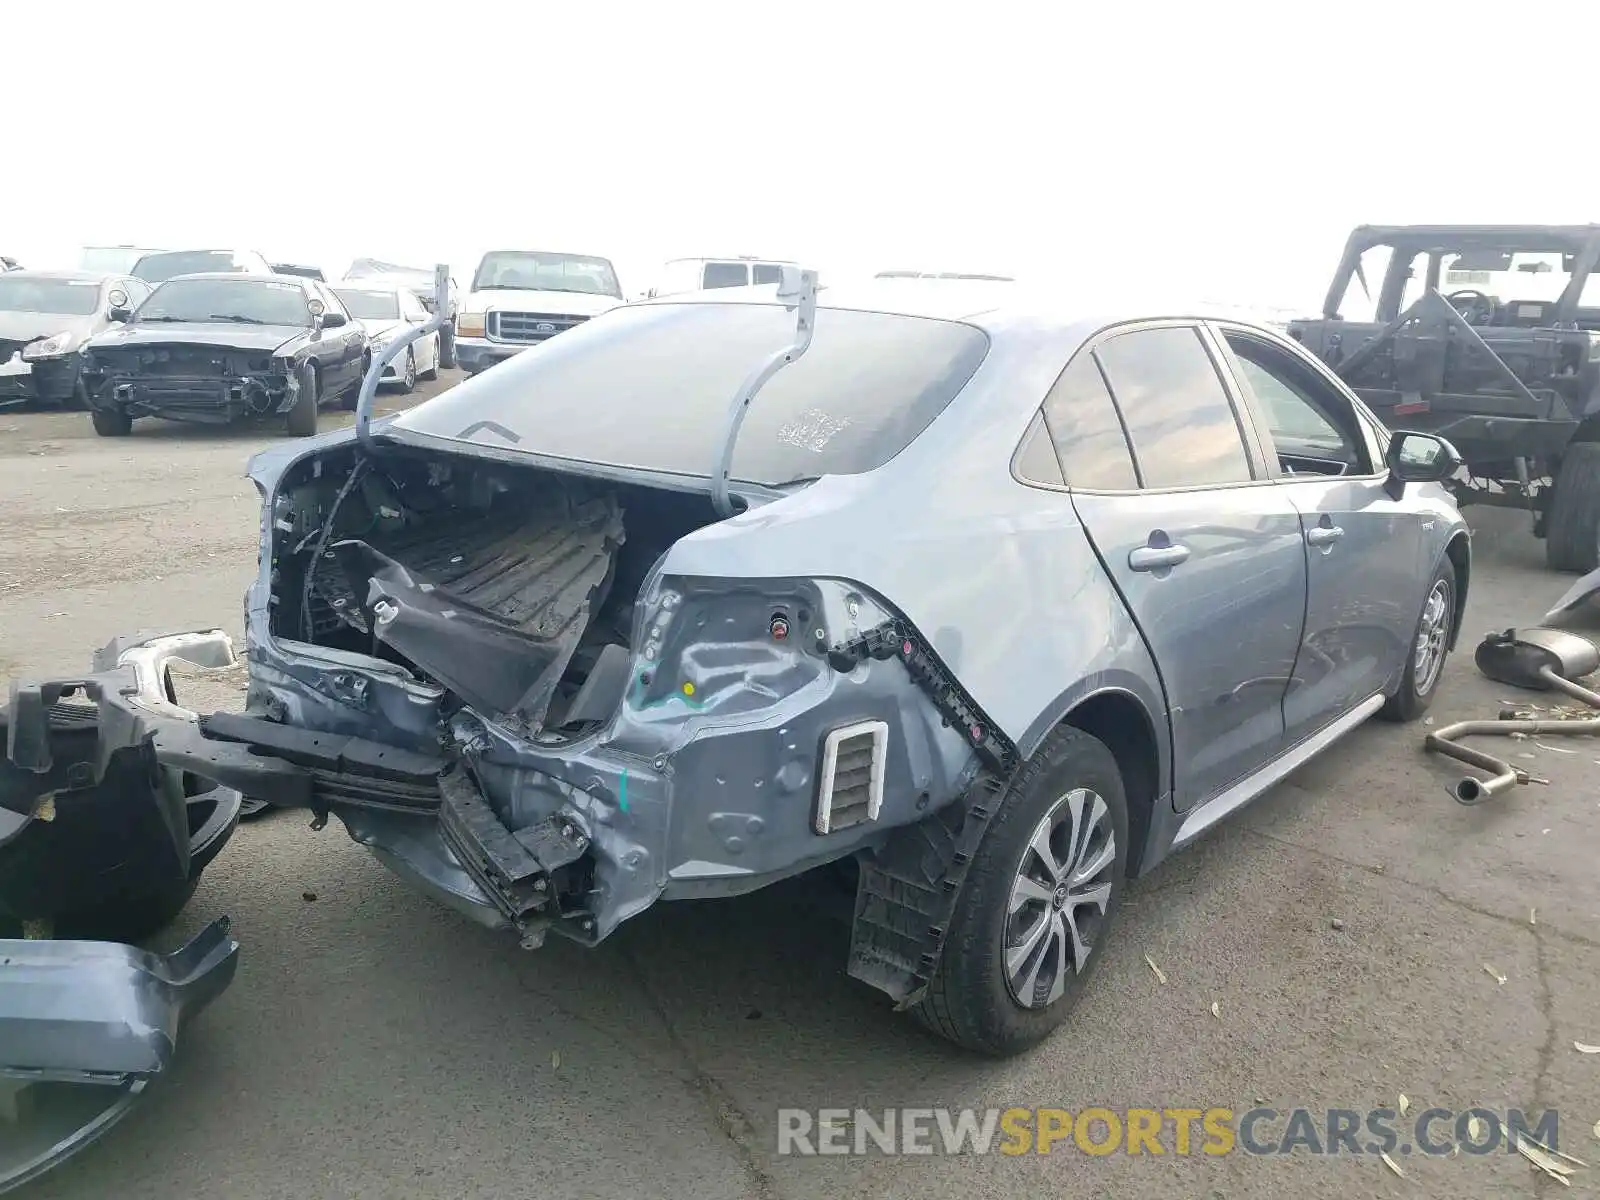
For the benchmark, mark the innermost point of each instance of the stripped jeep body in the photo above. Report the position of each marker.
(1490, 336)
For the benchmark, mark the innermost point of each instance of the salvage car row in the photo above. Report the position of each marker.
(212, 336)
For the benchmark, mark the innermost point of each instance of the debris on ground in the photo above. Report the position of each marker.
(1161, 976)
(1552, 1163)
(1336, 923)
(1391, 1164)
(1498, 976)
(1585, 1048)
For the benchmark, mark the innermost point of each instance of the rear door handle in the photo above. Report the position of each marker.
(1154, 558)
(1324, 535)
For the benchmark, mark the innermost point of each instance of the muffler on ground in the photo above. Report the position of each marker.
(1547, 657)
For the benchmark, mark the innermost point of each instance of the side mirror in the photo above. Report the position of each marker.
(332, 320)
(118, 313)
(1420, 458)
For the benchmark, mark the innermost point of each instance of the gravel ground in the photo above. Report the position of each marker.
(376, 1045)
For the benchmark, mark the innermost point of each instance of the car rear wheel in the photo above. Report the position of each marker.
(447, 347)
(1037, 903)
(432, 372)
(1572, 529)
(1430, 646)
(408, 377)
(301, 420)
(111, 422)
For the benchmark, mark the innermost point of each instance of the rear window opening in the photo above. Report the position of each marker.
(647, 387)
(511, 588)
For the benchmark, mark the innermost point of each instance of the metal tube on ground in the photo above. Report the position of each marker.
(1504, 776)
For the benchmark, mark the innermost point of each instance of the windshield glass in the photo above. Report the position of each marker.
(536, 270)
(648, 386)
(68, 297)
(158, 268)
(247, 301)
(1506, 273)
(369, 306)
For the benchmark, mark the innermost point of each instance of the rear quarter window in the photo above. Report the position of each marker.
(648, 386)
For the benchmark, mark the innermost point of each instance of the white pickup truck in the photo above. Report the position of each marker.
(520, 298)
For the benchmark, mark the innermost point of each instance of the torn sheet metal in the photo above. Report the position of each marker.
(84, 1028)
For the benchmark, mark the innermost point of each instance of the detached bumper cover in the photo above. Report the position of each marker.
(84, 1028)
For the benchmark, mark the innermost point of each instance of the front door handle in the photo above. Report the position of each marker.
(1154, 558)
(1324, 535)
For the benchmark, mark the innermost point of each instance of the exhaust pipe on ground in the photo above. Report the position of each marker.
(1538, 659)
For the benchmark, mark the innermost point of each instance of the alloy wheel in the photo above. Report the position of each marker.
(1433, 636)
(1059, 897)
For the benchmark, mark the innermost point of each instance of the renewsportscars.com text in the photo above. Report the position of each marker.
(1208, 1132)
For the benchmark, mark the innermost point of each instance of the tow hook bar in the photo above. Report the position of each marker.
(1537, 659)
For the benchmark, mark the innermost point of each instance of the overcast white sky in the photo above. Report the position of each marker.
(1228, 145)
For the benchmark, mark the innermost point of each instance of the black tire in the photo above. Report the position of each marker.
(408, 377)
(432, 372)
(447, 346)
(971, 999)
(301, 420)
(1572, 527)
(111, 422)
(1414, 695)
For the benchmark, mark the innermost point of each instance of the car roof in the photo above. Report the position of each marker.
(1531, 233)
(993, 306)
(371, 283)
(71, 276)
(257, 276)
(730, 258)
(537, 250)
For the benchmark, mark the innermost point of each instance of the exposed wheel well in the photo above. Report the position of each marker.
(1460, 555)
(1121, 722)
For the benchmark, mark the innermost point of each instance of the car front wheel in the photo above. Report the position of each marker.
(302, 418)
(1037, 903)
(1430, 646)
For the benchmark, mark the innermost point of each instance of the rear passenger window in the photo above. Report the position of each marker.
(766, 273)
(1087, 434)
(1036, 462)
(721, 275)
(1179, 418)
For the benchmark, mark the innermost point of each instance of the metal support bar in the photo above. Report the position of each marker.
(798, 290)
(369, 382)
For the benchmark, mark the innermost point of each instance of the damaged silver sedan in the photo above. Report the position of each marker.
(998, 604)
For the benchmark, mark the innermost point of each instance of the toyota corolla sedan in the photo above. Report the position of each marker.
(999, 603)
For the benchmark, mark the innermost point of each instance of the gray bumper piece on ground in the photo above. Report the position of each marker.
(84, 1028)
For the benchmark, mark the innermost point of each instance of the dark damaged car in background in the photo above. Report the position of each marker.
(215, 348)
(991, 605)
(45, 319)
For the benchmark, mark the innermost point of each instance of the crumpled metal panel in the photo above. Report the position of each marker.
(84, 1028)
